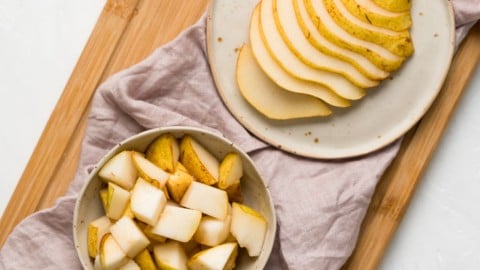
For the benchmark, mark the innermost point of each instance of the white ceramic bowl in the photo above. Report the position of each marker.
(89, 207)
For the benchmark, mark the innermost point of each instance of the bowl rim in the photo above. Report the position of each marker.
(161, 130)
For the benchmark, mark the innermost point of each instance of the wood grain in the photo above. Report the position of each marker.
(398, 184)
(127, 32)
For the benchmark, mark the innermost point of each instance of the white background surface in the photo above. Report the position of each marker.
(40, 42)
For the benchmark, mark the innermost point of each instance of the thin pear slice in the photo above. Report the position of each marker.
(394, 5)
(289, 62)
(283, 79)
(269, 99)
(198, 161)
(164, 152)
(310, 31)
(369, 12)
(221, 257)
(292, 35)
(399, 43)
(380, 56)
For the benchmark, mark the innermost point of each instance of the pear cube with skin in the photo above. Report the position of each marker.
(199, 161)
(164, 152)
(117, 201)
(145, 260)
(230, 171)
(249, 228)
(177, 223)
(149, 171)
(96, 230)
(218, 257)
(147, 202)
(129, 237)
(120, 170)
(170, 255)
(178, 183)
(207, 199)
(130, 265)
(111, 254)
(213, 231)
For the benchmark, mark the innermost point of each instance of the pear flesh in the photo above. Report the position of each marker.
(111, 255)
(212, 231)
(290, 63)
(117, 201)
(394, 5)
(276, 73)
(177, 223)
(120, 170)
(164, 152)
(170, 256)
(231, 170)
(149, 171)
(369, 12)
(96, 230)
(399, 43)
(249, 228)
(130, 265)
(207, 199)
(292, 34)
(147, 202)
(269, 99)
(377, 54)
(145, 260)
(129, 237)
(177, 183)
(198, 161)
(364, 65)
(221, 257)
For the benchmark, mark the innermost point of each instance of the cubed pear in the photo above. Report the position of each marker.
(111, 254)
(234, 193)
(130, 265)
(178, 183)
(104, 198)
(207, 199)
(120, 170)
(170, 255)
(96, 230)
(128, 210)
(221, 257)
(147, 202)
(164, 152)
(199, 161)
(129, 237)
(249, 228)
(231, 170)
(177, 223)
(213, 231)
(145, 260)
(117, 201)
(148, 170)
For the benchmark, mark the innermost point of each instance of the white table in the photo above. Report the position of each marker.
(40, 42)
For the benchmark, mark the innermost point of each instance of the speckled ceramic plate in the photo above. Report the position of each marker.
(384, 115)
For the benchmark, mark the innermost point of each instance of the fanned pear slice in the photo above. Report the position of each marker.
(394, 5)
(380, 56)
(221, 257)
(281, 78)
(369, 12)
(399, 43)
(292, 35)
(289, 62)
(164, 152)
(312, 34)
(198, 161)
(269, 99)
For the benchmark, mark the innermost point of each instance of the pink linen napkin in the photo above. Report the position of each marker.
(320, 204)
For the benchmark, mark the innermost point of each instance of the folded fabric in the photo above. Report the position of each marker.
(320, 204)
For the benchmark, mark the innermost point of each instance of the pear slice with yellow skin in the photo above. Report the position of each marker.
(290, 63)
(268, 98)
(369, 12)
(394, 5)
(281, 78)
(399, 43)
(292, 35)
(96, 230)
(221, 257)
(231, 170)
(377, 54)
(148, 170)
(178, 183)
(310, 31)
(198, 161)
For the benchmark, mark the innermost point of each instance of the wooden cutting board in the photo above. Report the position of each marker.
(129, 30)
